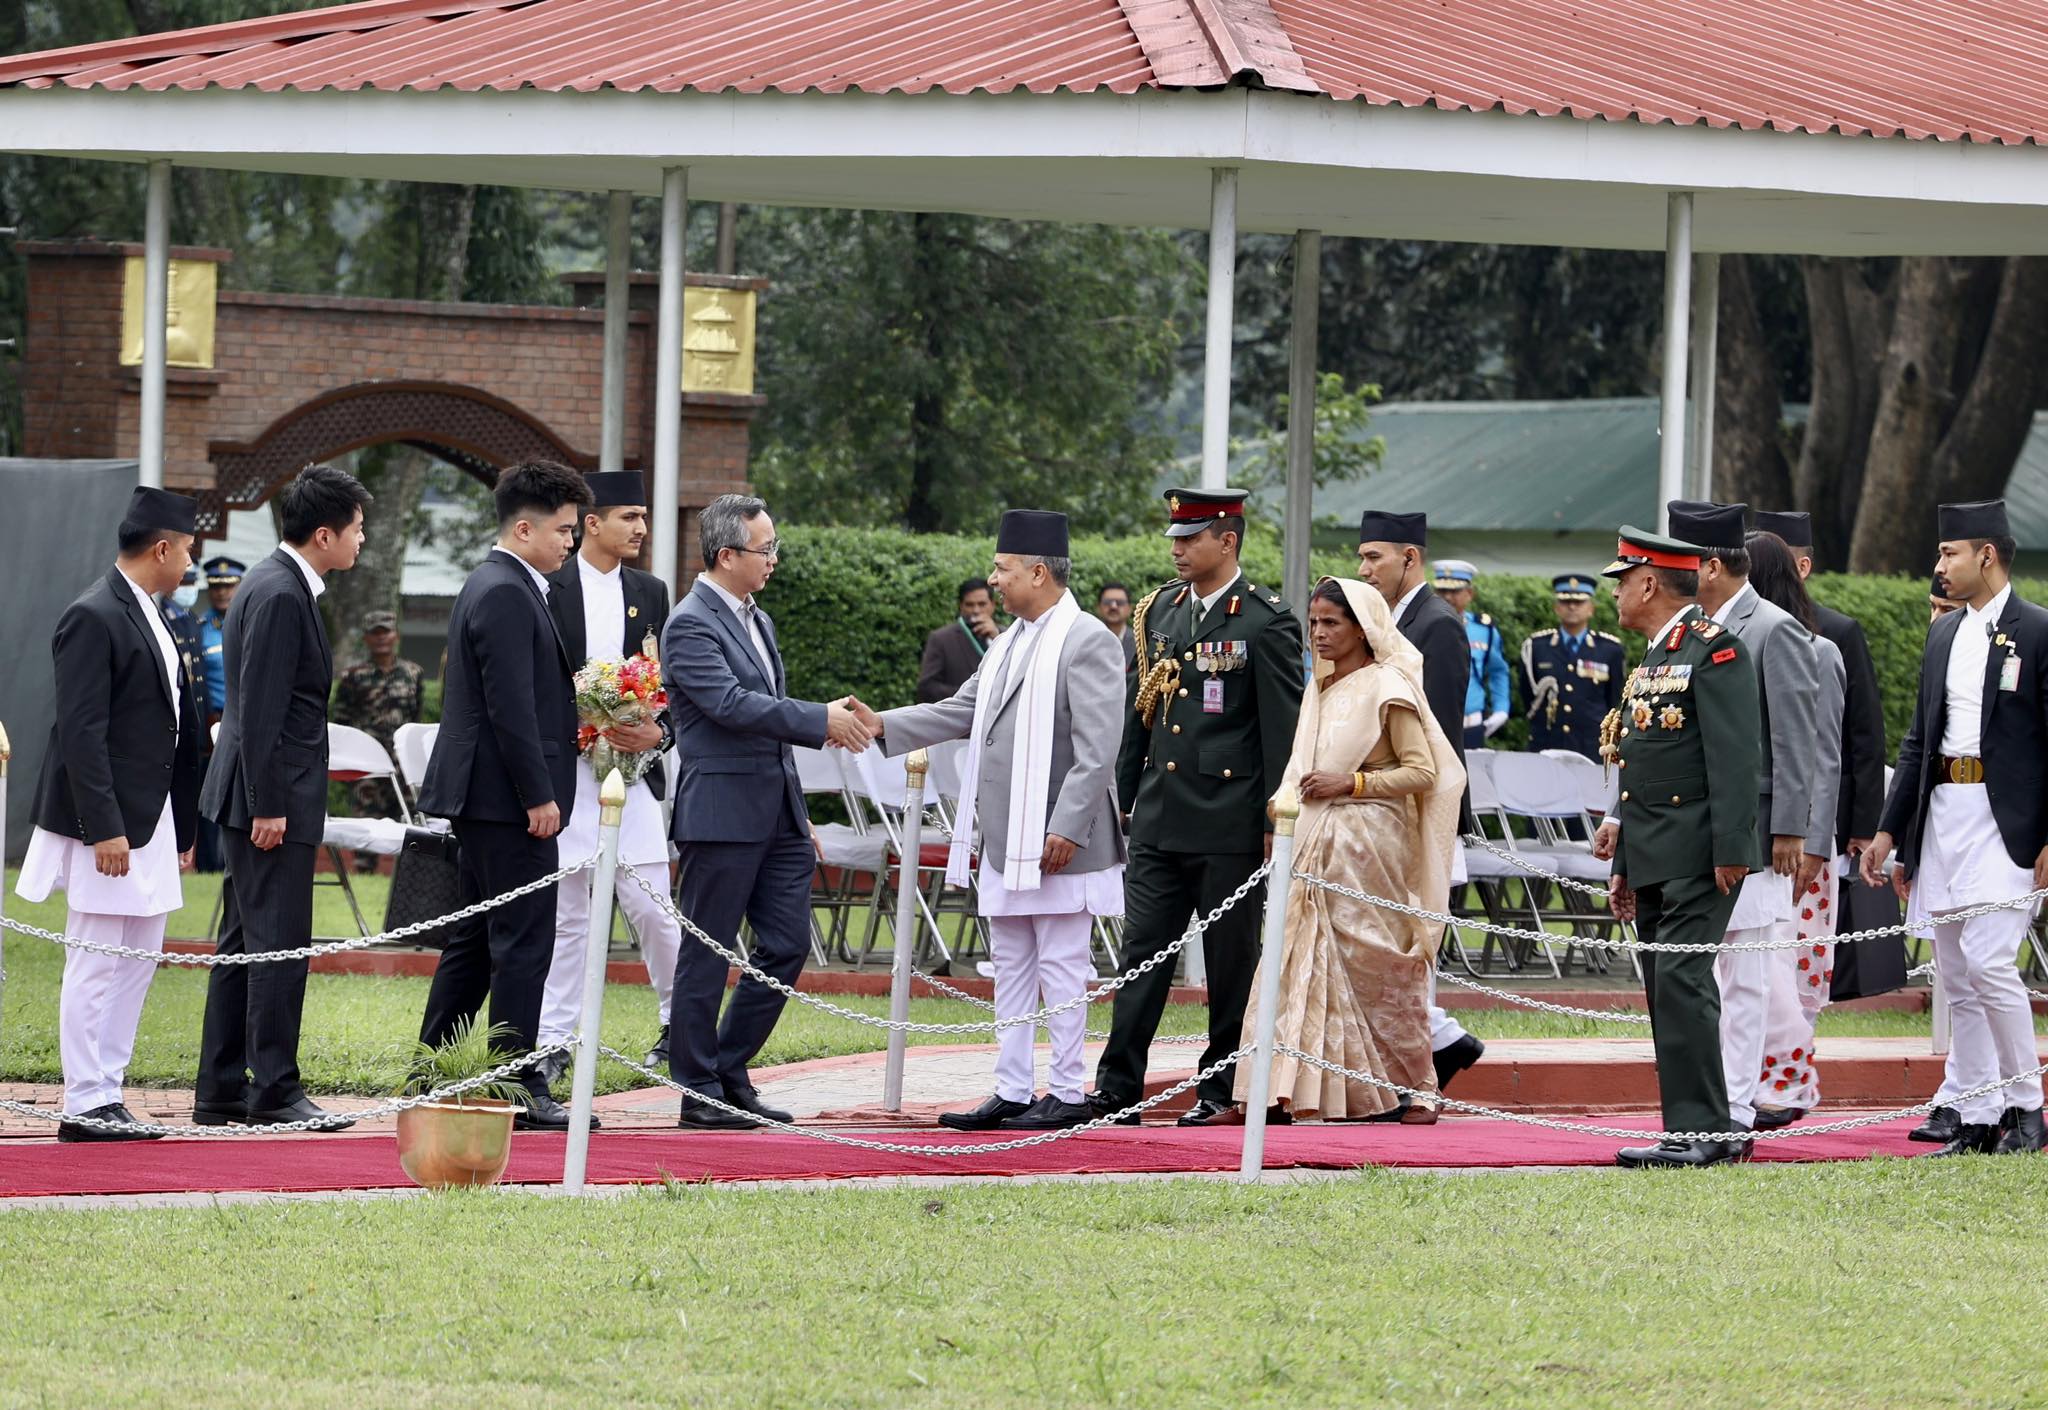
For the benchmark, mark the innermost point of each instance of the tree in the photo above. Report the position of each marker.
(1343, 451)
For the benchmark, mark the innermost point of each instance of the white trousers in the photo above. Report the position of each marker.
(101, 1004)
(1797, 984)
(660, 941)
(1744, 980)
(1041, 961)
(1991, 1024)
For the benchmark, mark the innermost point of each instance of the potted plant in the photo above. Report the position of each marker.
(466, 1139)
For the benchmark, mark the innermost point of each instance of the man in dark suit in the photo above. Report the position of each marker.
(504, 769)
(1113, 606)
(115, 813)
(606, 608)
(740, 823)
(267, 790)
(954, 651)
(1968, 810)
(1390, 557)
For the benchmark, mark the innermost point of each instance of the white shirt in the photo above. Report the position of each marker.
(165, 647)
(1406, 598)
(604, 610)
(540, 582)
(743, 608)
(313, 579)
(1968, 653)
(1727, 609)
(1210, 600)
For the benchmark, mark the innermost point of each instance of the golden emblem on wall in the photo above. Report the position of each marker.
(718, 340)
(188, 340)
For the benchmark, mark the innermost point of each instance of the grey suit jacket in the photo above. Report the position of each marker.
(1821, 840)
(1788, 670)
(1087, 728)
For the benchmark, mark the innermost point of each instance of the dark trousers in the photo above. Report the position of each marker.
(503, 954)
(769, 885)
(1684, 1000)
(249, 1042)
(1163, 891)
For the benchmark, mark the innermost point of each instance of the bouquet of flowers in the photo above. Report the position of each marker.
(612, 693)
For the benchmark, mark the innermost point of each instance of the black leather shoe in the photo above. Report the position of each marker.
(220, 1113)
(1049, 1113)
(2024, 1132)
(1681, 1155)
(701, 1116)
(1456, 1058)
(989, 1115)
(657, 1056)
(1939, 1128)
(1208, 1113)
(1773, 1118)
(300, 1110)
(551, 1068)
(749, 1101)
(69, 1131)
(1972, 1139)
(540, 1112)
(1103, 1104)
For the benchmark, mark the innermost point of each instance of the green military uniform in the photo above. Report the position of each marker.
(377, 703)
(1214, 699)
(1685, 740)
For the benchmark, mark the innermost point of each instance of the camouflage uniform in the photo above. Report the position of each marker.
(377, 703)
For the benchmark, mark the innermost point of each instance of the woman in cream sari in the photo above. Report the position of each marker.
(1380, 789)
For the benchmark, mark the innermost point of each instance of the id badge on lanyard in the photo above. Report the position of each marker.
(1212, 695)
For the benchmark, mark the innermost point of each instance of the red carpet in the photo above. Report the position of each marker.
(371, 1162)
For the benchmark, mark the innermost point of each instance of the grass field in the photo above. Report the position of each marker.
(1910, 1283)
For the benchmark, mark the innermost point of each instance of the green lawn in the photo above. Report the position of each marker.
(1908, 1283)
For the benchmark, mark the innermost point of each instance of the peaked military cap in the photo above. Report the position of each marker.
(1637, 549)
(611, 488)
(1388, 526)
(1795, 527)
(1573, 587)
(1188, 512)
(1972, 519)
(1712, 525)
(223, 571)
(1452, 572)
(1033, 533)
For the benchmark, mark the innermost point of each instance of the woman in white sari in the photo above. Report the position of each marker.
(1380, 789)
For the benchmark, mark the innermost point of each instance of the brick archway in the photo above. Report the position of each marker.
(466, 426)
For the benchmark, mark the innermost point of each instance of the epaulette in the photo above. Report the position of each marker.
(1707, 631)
(1609, 636)
(1265, 595)
(1485, 620)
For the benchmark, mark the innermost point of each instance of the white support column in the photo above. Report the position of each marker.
(1677, 299)
(1306, 311)
(1706, 334)
(156, 298)
(668, 378)
(1222, 324)
(618, 298)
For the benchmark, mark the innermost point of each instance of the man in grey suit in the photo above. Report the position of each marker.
(740, 826)
(1040, 787)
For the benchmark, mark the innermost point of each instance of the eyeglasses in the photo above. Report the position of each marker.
(771, 551)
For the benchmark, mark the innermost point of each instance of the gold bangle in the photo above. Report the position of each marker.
(1358, 784)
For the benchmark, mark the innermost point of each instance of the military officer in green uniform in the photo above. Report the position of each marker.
(1686, 742)
(1215, 691)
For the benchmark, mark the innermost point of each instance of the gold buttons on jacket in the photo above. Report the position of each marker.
(1567, 709)
(1675, 798)
(1183, 692)
(1624, 795)
(1226, 773)
(1187, 656)
(1176, 729)
(1170, 766)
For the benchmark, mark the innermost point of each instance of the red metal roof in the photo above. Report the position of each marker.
(1950, 69)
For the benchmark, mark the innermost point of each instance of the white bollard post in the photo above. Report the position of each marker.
(915, 765)
(611, 798)
(1278, 882)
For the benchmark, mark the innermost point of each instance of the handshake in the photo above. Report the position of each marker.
(850, 725)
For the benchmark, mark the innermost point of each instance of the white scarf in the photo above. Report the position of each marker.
(1031, 754)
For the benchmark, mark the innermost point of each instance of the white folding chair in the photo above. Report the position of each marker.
(877, 784)
(353, 756)
(414, 745)
(847, 852)
(1548, 795)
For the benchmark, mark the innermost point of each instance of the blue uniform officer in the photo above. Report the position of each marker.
(223, 577)
(1571, 675)
(1486, 691)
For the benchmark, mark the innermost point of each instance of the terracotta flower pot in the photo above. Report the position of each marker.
(449, 1143)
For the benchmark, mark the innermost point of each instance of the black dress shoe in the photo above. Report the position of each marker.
(1681, 1155)
(1049, 1113)
(989, 1115)
(300, 1110)
(1773, 1118)
(69, 1131)
(1456, 1058)
(1939, 1128)
(1971, 1138)
(540, 1112)
(657, 1056)
(551, 1068)
(2024, 1132)
(220, 1113)
(1208, 1113)
(749, 1101)
(1103, 1104)
(702, 1116)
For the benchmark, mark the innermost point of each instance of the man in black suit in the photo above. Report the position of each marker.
(953, 652)
(1969, 811)
(504, 769)
(740, 823)
(115, 813)
(267, 790)
(1390, 557)
(603, 607)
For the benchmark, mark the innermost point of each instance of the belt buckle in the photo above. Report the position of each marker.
(1966, 771)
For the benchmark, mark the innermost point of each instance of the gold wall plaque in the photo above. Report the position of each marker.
(718, 340)
(189, 330)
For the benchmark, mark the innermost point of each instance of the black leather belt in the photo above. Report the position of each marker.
(1951, 770)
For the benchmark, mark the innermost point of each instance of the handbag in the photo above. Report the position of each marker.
(1868, 967)
(424, 885)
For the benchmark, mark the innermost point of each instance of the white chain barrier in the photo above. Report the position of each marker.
(303, 952)
(325, 1123)
(1516, 859)
(1510, 996)
(957, 1148)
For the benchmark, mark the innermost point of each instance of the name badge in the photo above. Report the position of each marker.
(1212, 695)
(2009, 674)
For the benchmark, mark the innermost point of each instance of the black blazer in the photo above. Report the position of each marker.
(1435, 629)
(951, 655)
(646, 611)
(508, 703)
(270, 758)
(2014, 745)
(118, 746)
(1860, 800)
